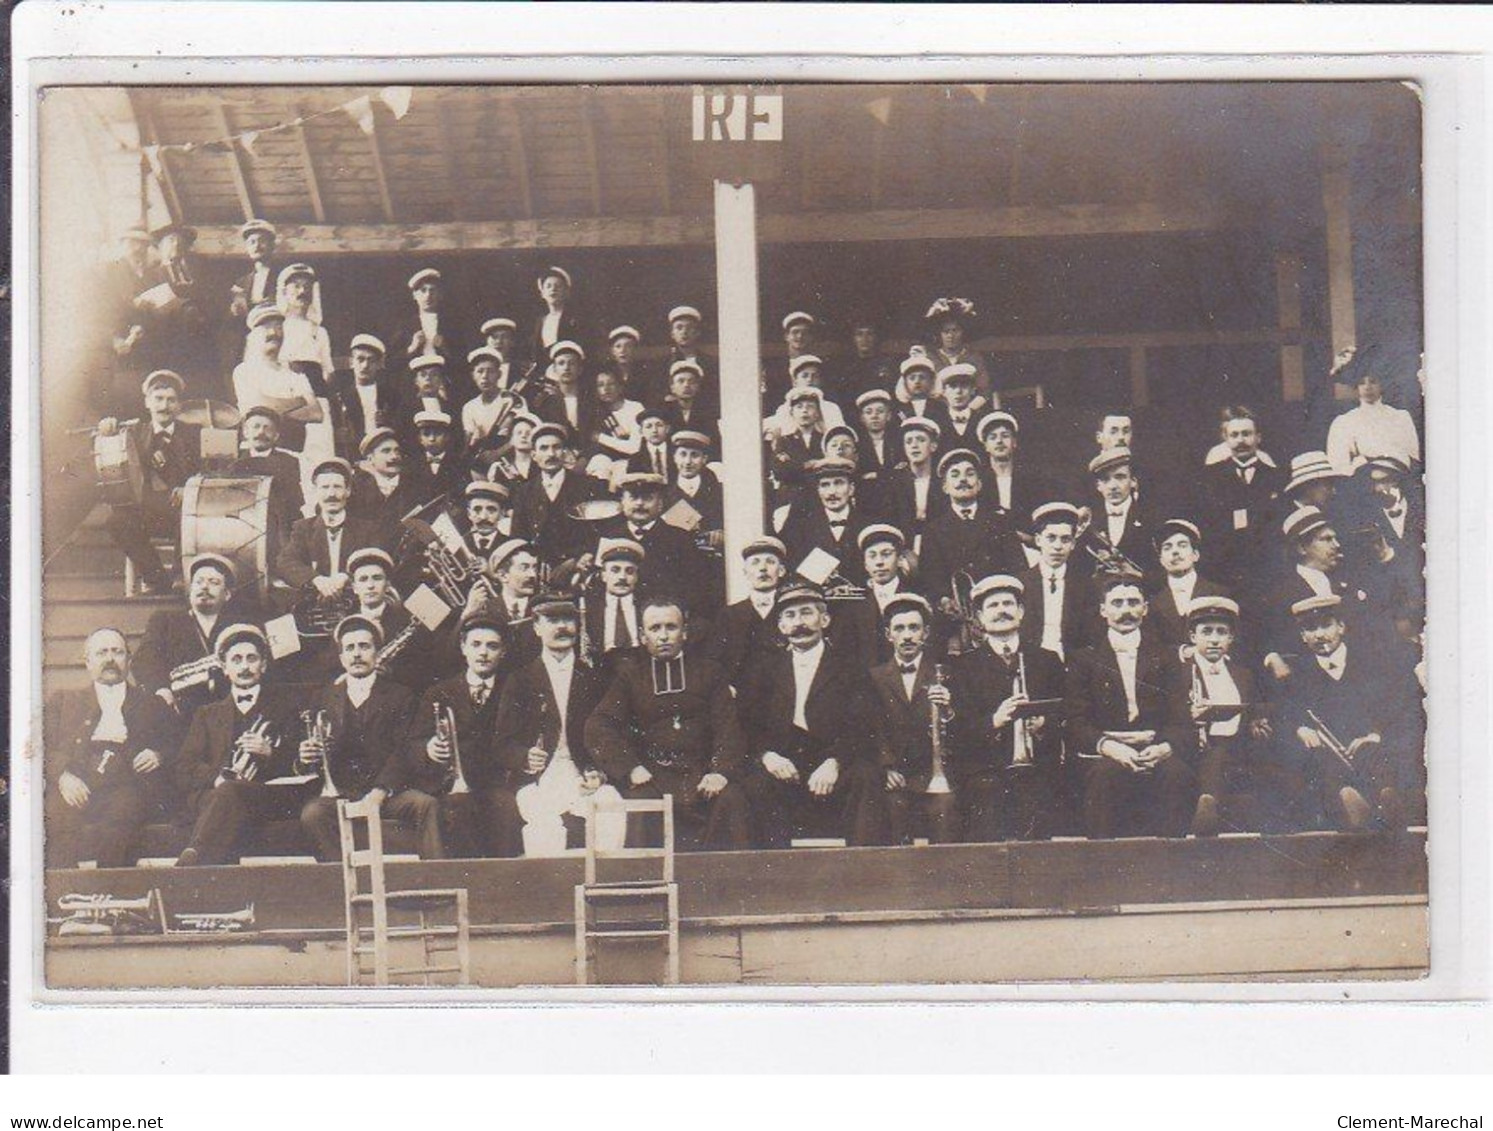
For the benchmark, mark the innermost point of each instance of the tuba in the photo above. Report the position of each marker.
(445, 727)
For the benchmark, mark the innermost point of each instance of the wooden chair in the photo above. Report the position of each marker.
(370, 939)
(656, 897)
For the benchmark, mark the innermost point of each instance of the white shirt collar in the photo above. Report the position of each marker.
(1124, 641)
(563, 663)
(360, 687)
(808, 658)
(1334, 662)
(110, 695)
(1320, 583)
(763, 602)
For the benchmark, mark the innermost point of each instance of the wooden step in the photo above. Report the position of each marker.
(79, 618)
(66, 651)
(63, 677)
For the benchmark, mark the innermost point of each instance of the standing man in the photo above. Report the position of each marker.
(672, 560)
(668, 726)
(1010, 484)
(1238, 498)
(808, 713)
(365, 397)
(1128, 724)
(906, 697)
(1179, 547)
(559, 322)
(540, 735)
(747, 631)
(312, 561)
(913, 489)
(257, 284)
(107, 751)
(1059, 610)
(382, 493)
(1008, 761)
(428, 328)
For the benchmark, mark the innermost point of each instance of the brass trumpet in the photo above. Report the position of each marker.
(241, 766)
(1024, 750)
(445, 728)
(319, 730)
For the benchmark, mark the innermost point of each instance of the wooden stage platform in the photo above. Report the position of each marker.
(1279, 907)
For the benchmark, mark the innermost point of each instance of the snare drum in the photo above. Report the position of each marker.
(121, 471)
(229, 515)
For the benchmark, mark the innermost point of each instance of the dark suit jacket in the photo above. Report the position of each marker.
(1094, 697)
(370, 754)
(368, 503)
(980, 682)
(208, 747)
(807, 528)
(347, 410)
(1135, 543)
(1029, 490)
(904, 737)
(1169, 621)
(305, 554)
(286, 496)
(984, 545)
(1220, 493)
(573, 327)
(555, 534)
(169, 461)
(673, 563)
(709, 500)
(1081, 622)
(741, 639)
(694, 731)
(1371, 696)
(900, 493)
(529, 716)
(452, 345)
(840, 712)
(1359, 610)
(474, 738)
(68, 725)
(641, 461)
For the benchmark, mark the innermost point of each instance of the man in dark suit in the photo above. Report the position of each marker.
(234, 748)
(1061, 609)
(1179, 547)
(792, 452)
(436, 468)
(542, 504)
(971, 535)
(170, 453)
(1350, 723)
(828, 518)
(559, 322)
(383, 490)
(479, 817)
(696, 485)
(1126, 710)
(365, 397)
(808, 713)
(859, 625)
(508, 599)
(540, 736)
(1007, 763)
(1011, 483)
(673, 562)
(260, 429)
(688, 408)
(746, 632)
(959, 419)
(176, 637)
(428, 327)
(1237, 498)
(367, 716)
(257, 284)
(668, 726)
(879, 448)
(109, 748)
(312, 562)
(914, 493)
(565, 398)
(487, 505)
(612, 625)
(656, 453)
(915, 393)
(1120, 537)
(906, 693)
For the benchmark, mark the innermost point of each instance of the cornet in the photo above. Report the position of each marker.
(242, 766)
(319, 730)
(215, 922)
(445, 728)
(1024, 751)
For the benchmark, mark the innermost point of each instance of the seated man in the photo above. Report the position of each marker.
(170, 453)
(668, 725)
(543, 503)
(233, 748)
(1117, 540)
(1179, 545)
(311, 563)
(808, 714)
(748, 629)
(613, 613)
(971, 536)
(907, 693)
(486, 510)
(106, 762)
(358, 754)
(859, 626)
(172, 661)
(383, 492)
(1125, 705)
(260, 428)
(540, 736)
(829, 519)
(1006, 764)
(1353, 721)
(672, 561)
(479, 817)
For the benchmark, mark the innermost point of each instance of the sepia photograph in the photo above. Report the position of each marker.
(786, 534)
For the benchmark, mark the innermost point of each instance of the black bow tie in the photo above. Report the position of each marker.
(244, 698)
(908, 669)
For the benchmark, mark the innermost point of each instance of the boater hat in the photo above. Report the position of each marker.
(1105, 462)
(1049, 513)
(881, 532)
(366, 341)
(487, 489)
(237, 632)
(991, 419)
(873, 396)
(425, 274)
(375, 438)
(798, 317)
(1308, 467)
(162, 377)
(212, 561)
(958, 455)
(506, 550)
(498, 324)
(369, 555)
(567, 346)
(922, 424)
(802, 361)
(995, 583)
(249, 227)
(904, 602)
(684, 312)
(1212, 608)
(1302, 522)
(1178, 526)
(620, 549)
(624, 332)
(1314, 606)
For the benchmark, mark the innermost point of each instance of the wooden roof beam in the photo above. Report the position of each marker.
(151, 136)
(236, 165)
(380, 176)
(588, 135)
(313, 185)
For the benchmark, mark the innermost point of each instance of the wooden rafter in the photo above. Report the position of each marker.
(380, 177)
(236, 165)
(313, 185)
(521, 158)
(593, 159)
(151, 136)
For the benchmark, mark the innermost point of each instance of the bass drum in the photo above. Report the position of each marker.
(229, 515)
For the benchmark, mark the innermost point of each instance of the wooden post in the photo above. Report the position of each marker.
(740, 350)
(1342, 316)
(1288, 268)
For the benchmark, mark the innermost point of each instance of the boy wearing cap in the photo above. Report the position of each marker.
(915, 391)
(1347, 722)
(623, 363)
(367, 716)
(695, 483)
(881, 441)
(1128, 726)
(559, 321)
(176, 637)
(747, 630)
(1061, 607)
(565, 398)
(170, 453)
(1010, 482)
(1226, 742)
(968, 534)
(1006, 763)
(905, 696)
(808, 712)
(515, 373)
(667, 725)
(794, 449)
(233, 748)
(958, 382)
(689, 405)
(540, 735)
(655, 454)
(487, 419)
(913, 488)
(108, 751)
(1179, 548)
(483, 820)
(858, 625)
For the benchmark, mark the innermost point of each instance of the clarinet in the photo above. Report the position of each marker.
(938, 782)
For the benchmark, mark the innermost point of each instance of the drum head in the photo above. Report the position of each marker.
(229, 515)
(209, 414)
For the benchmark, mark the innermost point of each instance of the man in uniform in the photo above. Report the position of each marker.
(673, 562)
(234, 748)
(907, 694)
(1007, 761)
(668, 726)
(808, 713)
(108, 746)
(436, 468)
(1060, 609)
(1128, 723)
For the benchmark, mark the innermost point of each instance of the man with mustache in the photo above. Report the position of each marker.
(1179, 546)
(1238, 494)
(1121, 527)
(174, 637)
(107, 747)
(1128, 724)
(382, 492)
(486, 508)
(808, 713)
(1319, 571)
(540, 736)
(1007, 762)
(260, 428)
(314, 558)
(828, 519)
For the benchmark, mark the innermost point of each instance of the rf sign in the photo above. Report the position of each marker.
(737, 113)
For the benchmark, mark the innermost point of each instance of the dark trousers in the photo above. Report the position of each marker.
(227, 811)
(910, 814)
(1008, 803)
(132, 528)
(786, 810)
(411, 809)
(1120, 802)
(1375, 770)
(722, 822)
(106, 829)
(485, 822)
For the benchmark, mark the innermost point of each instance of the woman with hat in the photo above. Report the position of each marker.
(949, 321)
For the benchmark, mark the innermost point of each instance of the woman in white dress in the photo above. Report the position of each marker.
(262, 379)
